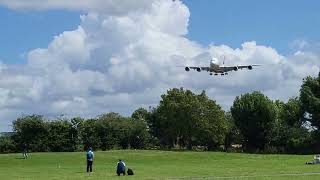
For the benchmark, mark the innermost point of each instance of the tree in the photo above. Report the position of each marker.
(185, 119)
(60, 136)
(292, 112)
(77, 124)
(113, 130)
(140, 114)
(140, 136)
(154, 127)
(212, 124)
(288, 134)
(7, 145)
(233, 135)
(33, 131)
(89, 135)
(310, 99)
(254, 115)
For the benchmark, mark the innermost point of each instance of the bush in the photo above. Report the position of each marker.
(7, 145)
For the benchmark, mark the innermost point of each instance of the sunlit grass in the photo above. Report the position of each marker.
(159, 165)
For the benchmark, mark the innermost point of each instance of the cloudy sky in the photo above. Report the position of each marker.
(85, 58)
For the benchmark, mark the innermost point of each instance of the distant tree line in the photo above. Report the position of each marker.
(185, 120)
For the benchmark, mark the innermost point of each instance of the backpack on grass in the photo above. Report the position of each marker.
(130, 172)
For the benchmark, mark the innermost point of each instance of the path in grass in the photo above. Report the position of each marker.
(277, 176)
(159, 165)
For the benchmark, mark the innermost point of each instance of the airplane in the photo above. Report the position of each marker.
(216, 69)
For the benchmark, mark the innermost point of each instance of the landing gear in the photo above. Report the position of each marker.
(216, 74)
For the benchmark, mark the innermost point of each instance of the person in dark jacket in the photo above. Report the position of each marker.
(25, 150)
(121, 168)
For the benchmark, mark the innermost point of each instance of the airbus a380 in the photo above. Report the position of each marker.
(215, 68)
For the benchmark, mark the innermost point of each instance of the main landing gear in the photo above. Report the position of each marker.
(216, 74)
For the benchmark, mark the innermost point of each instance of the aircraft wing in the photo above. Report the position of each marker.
(236, 68)
(187, 68)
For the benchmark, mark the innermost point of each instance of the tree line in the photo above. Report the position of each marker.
(185, 120)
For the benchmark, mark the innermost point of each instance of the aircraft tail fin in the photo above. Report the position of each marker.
(223, 60)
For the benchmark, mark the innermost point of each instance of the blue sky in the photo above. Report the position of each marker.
(274, 23)
(22, 31)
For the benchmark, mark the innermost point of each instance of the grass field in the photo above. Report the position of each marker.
(159, 165)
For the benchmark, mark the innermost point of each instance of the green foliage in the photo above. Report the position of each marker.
(33, 131)
(254, 114)
(288, 134)
(113, 130)
(310, 98)
(61, 136)
(7, 145)
(77, 124)
(140, 114)
(233, 136)
(88, 134)
(140, 136)
(187, 120)
(184, 120)
(291, 112)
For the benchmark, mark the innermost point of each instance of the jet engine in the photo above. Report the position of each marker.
(198, 69)
(250, 67)
(235, 68)
(187, 69)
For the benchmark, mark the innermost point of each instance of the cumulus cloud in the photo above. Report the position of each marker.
(106, 6)
(121, 61)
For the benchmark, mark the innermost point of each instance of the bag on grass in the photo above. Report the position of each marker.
(130, 172)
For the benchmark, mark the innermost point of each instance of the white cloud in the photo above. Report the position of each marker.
(121, 61)
(107, 6)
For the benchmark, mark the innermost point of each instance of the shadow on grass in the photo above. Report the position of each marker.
(20, 158)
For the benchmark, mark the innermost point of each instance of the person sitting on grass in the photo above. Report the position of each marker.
(121, 168)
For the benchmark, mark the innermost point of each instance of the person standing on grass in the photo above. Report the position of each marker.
(25, 150)
(121, 168)
(90, 157)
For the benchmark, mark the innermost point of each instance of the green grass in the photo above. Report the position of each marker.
(159, 165)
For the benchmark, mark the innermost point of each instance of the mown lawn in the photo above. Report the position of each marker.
(159, 165)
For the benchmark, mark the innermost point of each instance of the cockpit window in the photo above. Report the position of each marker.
(214, 60)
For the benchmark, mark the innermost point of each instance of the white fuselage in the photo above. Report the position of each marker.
(215, 67)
